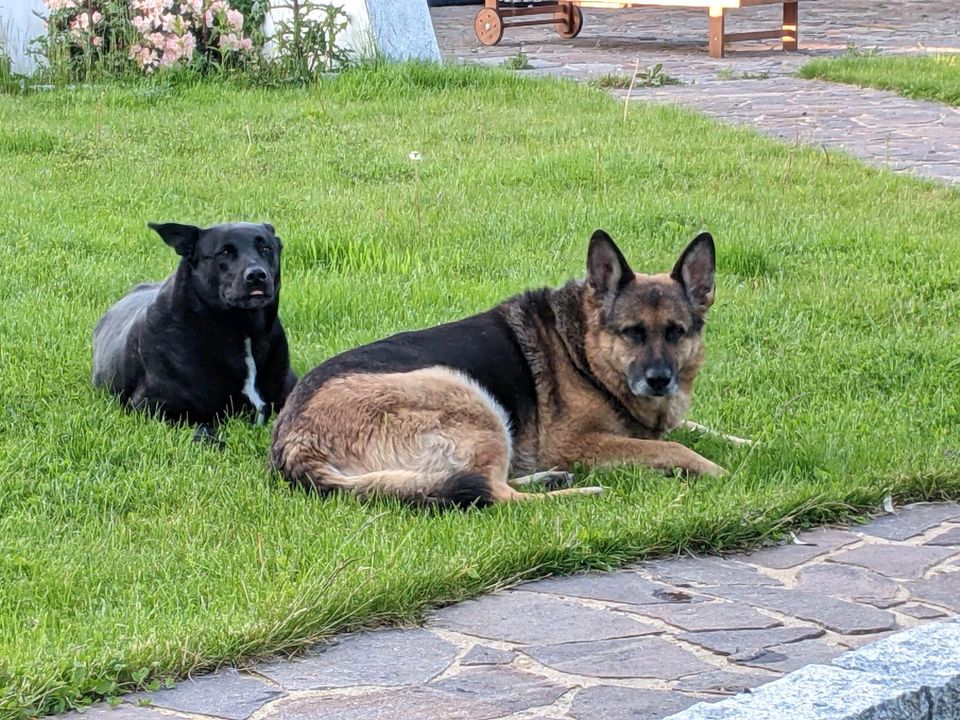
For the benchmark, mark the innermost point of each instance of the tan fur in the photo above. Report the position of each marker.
(402, 434)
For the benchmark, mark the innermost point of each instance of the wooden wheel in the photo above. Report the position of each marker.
(488, 24)
(571, 29)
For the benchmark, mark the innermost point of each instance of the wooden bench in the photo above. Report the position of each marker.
(566, 16)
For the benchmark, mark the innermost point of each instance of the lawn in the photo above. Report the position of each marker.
(129, 555)
(923, 77)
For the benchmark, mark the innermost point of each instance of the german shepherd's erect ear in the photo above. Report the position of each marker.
(694, 271)
(607, 270)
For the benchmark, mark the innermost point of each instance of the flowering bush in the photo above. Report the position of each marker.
(83, 31)
(171, 31)
(151, 33)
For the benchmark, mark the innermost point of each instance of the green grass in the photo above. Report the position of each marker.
(129, 554)
(924, 77)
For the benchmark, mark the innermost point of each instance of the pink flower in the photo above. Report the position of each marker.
(235, 20)
(96, 17)
(246, 44)
(144, 56)
(97, 41)
(229, 42)
(188, 44)
(142, 24)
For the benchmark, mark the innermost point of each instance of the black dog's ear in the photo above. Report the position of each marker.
(182, 238)
(607, 269)
(269, 228)
(694, 271)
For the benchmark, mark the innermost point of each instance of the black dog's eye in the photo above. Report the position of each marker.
(266, 250)
(673, 333)
(637, 333)
(227, 251)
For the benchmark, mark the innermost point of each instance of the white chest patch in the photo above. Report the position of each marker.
(250, 383)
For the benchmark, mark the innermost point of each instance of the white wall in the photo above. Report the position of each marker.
(396, 29)
(18, 26)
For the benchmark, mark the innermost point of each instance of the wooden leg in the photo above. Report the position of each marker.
(791, 25)
(716, 31)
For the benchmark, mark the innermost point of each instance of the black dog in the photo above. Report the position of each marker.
(206, 342)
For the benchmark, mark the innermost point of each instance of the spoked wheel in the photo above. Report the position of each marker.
(569, 25)
(488, 24)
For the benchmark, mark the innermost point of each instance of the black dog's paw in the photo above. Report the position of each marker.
(208, 435)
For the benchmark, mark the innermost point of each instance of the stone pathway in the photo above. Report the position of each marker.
(643, 643)
(754, 84)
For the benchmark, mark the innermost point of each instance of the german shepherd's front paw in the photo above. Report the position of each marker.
(695, 464)
(706, 467)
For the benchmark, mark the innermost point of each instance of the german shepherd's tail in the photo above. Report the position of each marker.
(454, 489)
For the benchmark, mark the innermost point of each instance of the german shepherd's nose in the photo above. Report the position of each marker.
(658, 379)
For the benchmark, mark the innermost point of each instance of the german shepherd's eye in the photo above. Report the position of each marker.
(637, 333)
(226, 251)
(673, 333)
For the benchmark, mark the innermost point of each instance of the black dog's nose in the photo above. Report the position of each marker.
(255, 275)
(658, 379)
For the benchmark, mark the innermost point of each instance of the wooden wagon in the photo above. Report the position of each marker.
(567, 18)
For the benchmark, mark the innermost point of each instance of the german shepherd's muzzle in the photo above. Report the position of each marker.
(594, 372)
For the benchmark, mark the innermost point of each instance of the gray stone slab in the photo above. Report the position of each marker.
(849, 582)
(895, 561)
(709, 616)
(485, 655)
(722, 682)
(226, 694)
(736, 642)
(819, 692)
(838, 615)
(648, 657)
(812, 544)
(621, 703)
(472, 695)
(922, 612)
(928, 656)
(921, 653)
(533, 618)
(911, 520)
(511, 690)
(383, 657)
(852, 642)
(624, 587)
(789, 657)
(123, 711)
(687, 572)
(951, 538)
(940, 589)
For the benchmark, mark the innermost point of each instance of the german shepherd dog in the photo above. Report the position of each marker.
(593, 372)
